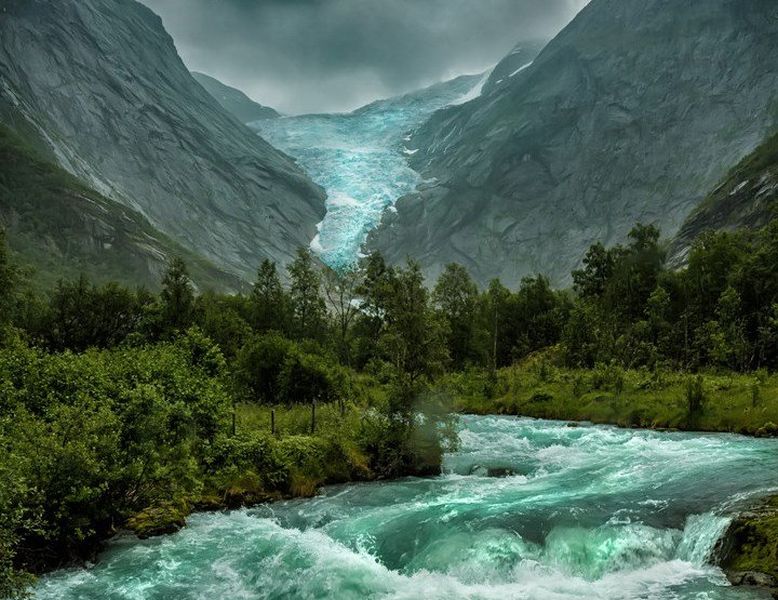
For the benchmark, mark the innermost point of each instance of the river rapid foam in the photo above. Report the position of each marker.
(578, 512)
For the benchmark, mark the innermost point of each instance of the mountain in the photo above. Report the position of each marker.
(520, 58)
(632, 113)
(62, 229)
(101, 86)
(234, 101)
(748, 197)
(360, 159)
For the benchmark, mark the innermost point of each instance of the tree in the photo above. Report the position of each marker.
(177, 298)
(307, 304)
(258, 364)
(268, 302)
(373, 292)
(590, 281)
(414, 337)
(82, 315)
(455, 296)
(8, 281)
(340, 288)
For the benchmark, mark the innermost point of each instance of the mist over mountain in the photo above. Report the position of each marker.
(632, 113)
(314, 56)
(100, 85)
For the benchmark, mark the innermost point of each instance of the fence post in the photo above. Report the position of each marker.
(313, 416)
(272, 421)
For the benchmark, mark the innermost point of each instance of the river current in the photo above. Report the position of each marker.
(584, 512)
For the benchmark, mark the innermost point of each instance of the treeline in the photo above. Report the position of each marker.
(117, 402)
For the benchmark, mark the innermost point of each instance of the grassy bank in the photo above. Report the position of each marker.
(726, 402)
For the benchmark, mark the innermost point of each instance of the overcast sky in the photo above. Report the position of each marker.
(331, 55)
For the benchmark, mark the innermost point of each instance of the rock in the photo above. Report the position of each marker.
(234, 101)
(634, 112)
(162, 519)
(496, 472)
(101, 85)
(753, 578)
(746, 199)
(748, 550)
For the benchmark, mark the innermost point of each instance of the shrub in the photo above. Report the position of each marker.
(258, 365)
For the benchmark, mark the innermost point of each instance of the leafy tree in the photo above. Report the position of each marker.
(308, 308)
(341, 290)
(82, 315)
(456, 295)
(177, 298)
(268, 302)
(305, 378)
(599, 263)
(8, 282)
(258, 365)
(414, 337)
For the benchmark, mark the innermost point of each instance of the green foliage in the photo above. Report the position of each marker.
(258, 365)
(305, 378)
(268, 303)
(307, 305)
(695, 396)
(176, 299)
(455, 296)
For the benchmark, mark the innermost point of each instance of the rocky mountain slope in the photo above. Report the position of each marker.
(101, 83)
(62, 229)
(748, 197)
(632, 113)
(234, 101)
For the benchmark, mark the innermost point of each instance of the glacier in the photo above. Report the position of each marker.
(360, 159)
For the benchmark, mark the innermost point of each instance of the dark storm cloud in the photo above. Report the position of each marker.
(326, 55)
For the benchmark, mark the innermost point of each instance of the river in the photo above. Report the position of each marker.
(584, 512)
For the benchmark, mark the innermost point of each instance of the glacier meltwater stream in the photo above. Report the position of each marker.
(586, 512)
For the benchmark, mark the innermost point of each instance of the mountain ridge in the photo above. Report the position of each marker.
(621, 118)
(102, 85)
(235, 101)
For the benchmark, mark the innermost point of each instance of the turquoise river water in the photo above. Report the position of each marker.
(586, 512)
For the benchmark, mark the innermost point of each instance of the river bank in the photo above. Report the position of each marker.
(714, 402)
(589, 512)
(708, 402)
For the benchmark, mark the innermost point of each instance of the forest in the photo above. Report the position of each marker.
(129, 408)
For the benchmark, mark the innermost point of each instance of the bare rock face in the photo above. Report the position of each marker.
(101, 83)
(632, 113)
(747, 198)
(234, 101)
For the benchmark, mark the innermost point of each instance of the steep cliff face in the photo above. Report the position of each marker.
(63, 229)
(100, 82)
(748, 197)
(632, 113)
(238, 104)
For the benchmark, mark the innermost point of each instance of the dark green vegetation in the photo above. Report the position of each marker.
(61, 228)
(123, 408)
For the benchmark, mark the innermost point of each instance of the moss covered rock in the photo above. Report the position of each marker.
(748, 552)
(161, 519)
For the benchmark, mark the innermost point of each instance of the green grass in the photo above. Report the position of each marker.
(732, 402)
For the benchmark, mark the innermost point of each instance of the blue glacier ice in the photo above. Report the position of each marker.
(360, 158)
